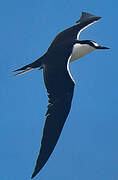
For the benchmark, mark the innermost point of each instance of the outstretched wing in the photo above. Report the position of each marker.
(73, 32)
(60, 89)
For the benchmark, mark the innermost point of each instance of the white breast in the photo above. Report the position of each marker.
(80, 50)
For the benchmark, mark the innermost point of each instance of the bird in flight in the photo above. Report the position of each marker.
(65, 48)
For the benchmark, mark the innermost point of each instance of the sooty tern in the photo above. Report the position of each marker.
(65, 48)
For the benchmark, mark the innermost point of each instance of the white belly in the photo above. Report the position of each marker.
(80, 50)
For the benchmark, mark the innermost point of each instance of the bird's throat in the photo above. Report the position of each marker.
(80, 50)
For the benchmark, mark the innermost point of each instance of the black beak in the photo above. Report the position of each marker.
(102, 47)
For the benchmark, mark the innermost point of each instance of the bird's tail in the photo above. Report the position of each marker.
(36, 64)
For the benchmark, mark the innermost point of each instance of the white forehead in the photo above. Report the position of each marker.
(95, 44)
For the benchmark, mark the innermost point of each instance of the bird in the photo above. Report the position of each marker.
(64, 49)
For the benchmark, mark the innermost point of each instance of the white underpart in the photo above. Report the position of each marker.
(80, 50)
(85, 28)
(68, 69)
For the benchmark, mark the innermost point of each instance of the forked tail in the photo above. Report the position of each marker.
(36, 64)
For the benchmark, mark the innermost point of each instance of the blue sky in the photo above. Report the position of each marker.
(88, 146)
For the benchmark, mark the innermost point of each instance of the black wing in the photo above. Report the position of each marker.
(60, 89)
(73, 32)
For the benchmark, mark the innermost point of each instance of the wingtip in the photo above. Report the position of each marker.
(85, 16)
(34, 174)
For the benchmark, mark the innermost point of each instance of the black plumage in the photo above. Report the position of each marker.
(59, 84)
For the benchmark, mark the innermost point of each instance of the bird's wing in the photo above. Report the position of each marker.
(60, 89)
(85, 21)
(73, 32)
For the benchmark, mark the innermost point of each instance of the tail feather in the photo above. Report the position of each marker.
(36, 64)
(22, 72)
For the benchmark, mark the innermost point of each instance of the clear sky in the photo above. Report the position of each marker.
(88, 146)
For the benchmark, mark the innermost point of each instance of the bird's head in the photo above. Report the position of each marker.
(92, 44)
(83, 47)
(96, 45)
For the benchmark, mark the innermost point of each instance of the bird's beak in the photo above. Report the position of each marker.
(102, 47)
